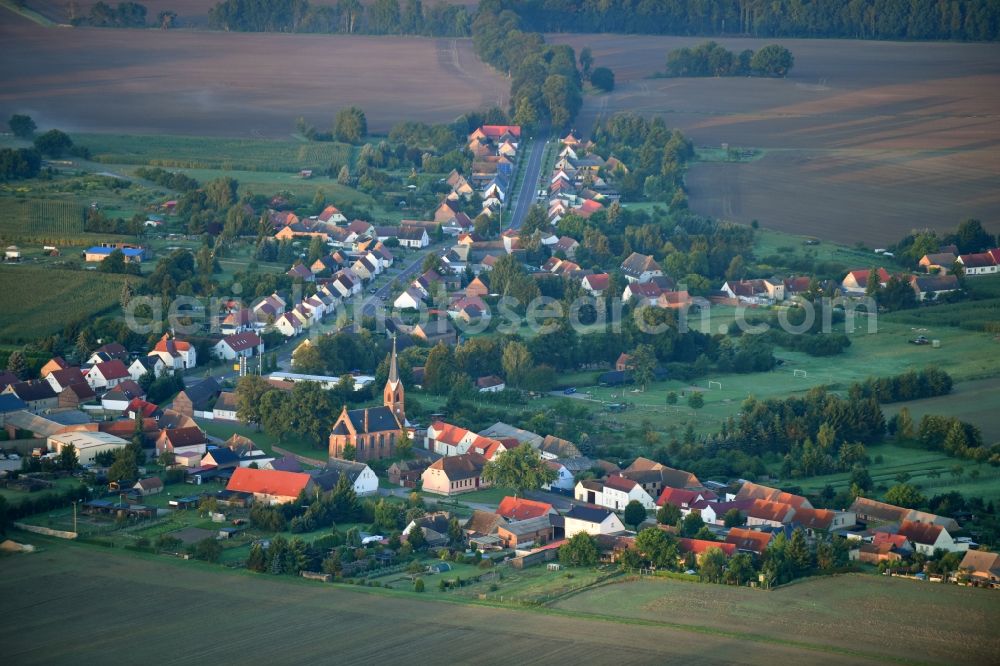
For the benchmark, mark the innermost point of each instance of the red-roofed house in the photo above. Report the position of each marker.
(773, 514)
(233, 346)
(927, 537)
(644, 293)
(749, 541)
(750, 490)
(596, 284)
(451, 440)
(518, 508)
(701, 546)
(270, 486)
(176, 354)
(613, 492)
(682, 499)
(856, 282)
(980, 263)
(107, 375)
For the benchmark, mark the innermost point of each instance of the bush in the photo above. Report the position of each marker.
(418, 585)
(603, 78)
(696, 400)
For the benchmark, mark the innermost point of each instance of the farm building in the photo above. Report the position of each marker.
(88, 444)
(269, 486)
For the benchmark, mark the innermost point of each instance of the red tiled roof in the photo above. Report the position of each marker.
(772, 511)
(699, 546)
(923, 533)
(750, 540)
(241, 341)
(518, 508)
(676, 496)
(896, 540)
(619, 483)
(268, 482)
(598, 281)
(819, 519)
(112, 369)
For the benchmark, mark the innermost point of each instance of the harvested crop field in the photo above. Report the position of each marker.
(863, 141)
(870, 614)
(232, 84)
(76, 604)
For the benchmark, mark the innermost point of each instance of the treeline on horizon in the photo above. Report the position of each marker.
(382, 17)
(965, 20)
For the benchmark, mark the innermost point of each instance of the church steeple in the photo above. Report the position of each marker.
(393, 397)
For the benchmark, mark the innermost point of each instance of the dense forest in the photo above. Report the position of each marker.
(381, 17)
(969, 20)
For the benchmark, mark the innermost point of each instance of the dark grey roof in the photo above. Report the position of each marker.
(328, 477)
(203, 394)
(28, 391)
(591, 514)
(223, 456)
(380, 419)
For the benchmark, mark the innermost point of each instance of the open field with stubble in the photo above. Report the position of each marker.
(76, 604)
(863, 141)
(232, 84)
(871, 614)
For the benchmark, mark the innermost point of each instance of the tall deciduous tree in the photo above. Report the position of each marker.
(23, 127)
(249, 404)
(521, 468)
(635, 513)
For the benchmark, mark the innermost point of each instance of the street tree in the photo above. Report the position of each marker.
(635, 513)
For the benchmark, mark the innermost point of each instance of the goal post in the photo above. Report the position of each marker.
(715, 384)
(800, 373)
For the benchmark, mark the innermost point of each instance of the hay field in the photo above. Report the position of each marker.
(899, 619)
(863, 141)
(232, 84)
(77, 604)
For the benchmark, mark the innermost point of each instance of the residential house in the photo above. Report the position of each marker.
(749, 541)
(62, 379)
(450, 440)
(245, 344)
(411, 299)
(564, 477)
(855, 283)
(643, 293)
(980, 263)
(596, 283)
(406, 473)
(198, 400)
(108, 352)
(477, 288)
(928, 537)
(220, 457)
(435, 331)
(701, 546)
(502, 431)
(270, 486)
(288, 325)
(750, 490)
(453, 475)
(674, 300)
(53, 364)
(933, 286)
(361, 477)
(331, 215)
(937, 262)
(144, 364)
(225, 407)
(176, 354)
(37, 395)
(613, 492)
(490, 384)
(119, 397)
(815, 521)
(552, 448)
(654, 476)
(301, 272)
(171, 439)
(413, 237)
(640, 268)
(107, 375)
(593, 520)
(763, 513)
(567, 246)
(519, 508)
(981, 568)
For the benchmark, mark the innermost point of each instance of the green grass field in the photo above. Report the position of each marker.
(49, 299)
(871, 614)
(71, 601)
(214, 153)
